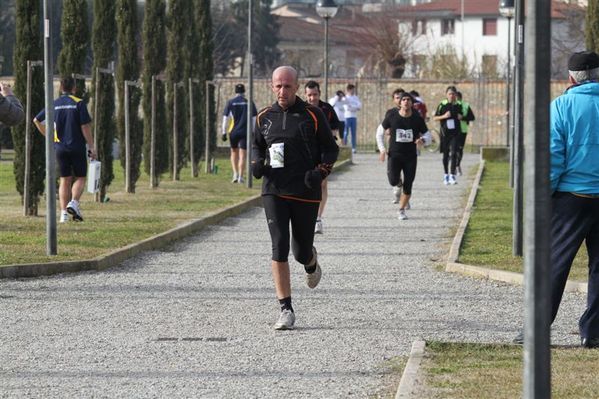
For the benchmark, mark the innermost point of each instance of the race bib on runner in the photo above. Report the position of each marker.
(404, 136)
(450, 124)
(277, 155)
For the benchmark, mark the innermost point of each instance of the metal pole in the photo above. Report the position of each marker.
(96, 95)
(175, 138)
(127, 141)
(26, 197)
(249, 127)
(207, 116)
(537, 356)
(194, 168)
(518, 142)
(153, 136)
(507, 82)
(51, 242)
(326, 58)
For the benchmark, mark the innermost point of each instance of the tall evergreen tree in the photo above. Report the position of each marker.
(28, 47)
(74, 32)
(178, 69)
(128, 69)
(154, 45)
(103, 38)
(7, 35)
(205, 71)
(592, 26)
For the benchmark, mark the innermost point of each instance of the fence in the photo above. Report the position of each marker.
(486, 97)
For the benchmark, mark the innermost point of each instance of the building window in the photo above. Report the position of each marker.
(447, 26)
(489, 66)
(489, 26)
(418, 27)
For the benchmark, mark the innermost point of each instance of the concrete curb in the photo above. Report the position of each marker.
(477, 271)
(409, 379)
(158, 241)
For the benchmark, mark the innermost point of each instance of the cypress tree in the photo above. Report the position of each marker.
(592, 26)
(28, 47)
(205, 71)
(154, 45)
(128, 69)
(74, 32)
(178, 70)
(103, 37)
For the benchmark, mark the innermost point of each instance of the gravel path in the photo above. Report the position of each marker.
(195, 320)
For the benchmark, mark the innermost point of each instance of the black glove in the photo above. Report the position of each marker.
(312, 179)
(224, 137)
(258, 168)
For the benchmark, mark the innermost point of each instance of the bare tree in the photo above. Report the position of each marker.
(384, 46)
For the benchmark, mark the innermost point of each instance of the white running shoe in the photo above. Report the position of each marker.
(318, 226)
(446, 179)
(240, 180)
(64, 217)
(452, 180)
(74, 211)
(235, 178)
(402, 215)
(286, 320)
(312, 279)
(396, 194)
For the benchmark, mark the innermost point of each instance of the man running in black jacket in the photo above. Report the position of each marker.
(294, 150)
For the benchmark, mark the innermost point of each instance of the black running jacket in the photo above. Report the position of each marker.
(308, 145)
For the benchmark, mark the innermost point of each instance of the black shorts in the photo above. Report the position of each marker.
(401, 163)
(239, 141)
(71, 163)
(302, 215)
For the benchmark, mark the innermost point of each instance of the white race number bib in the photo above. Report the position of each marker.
(404, 136)
(277, 155)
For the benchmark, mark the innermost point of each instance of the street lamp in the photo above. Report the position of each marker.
(506, 9)
(326, 9)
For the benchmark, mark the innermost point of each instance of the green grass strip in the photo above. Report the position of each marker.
(488, 238)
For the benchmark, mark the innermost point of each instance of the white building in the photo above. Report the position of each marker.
(476, 29)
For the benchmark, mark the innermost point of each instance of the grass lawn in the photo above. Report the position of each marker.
(125, 219)
(474, 371)
(488, 237)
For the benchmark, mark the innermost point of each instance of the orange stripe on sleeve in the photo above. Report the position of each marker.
(313, 117)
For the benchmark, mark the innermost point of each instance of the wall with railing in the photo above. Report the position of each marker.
(486, 97)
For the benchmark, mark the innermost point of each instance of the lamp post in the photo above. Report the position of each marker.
(326, 9)
(506, 9)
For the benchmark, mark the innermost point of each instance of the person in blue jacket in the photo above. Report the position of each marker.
(574, 174)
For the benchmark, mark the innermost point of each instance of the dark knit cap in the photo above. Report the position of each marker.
(583, 61)
(239, 88)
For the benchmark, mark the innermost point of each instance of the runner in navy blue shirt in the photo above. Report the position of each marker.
(235, 123)
(72, 131)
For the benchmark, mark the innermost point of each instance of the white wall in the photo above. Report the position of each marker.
(469, 36)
